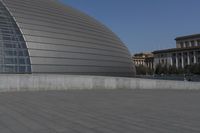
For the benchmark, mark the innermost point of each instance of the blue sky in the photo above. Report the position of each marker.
(144, 25)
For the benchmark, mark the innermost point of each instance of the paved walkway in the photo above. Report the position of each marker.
(100, 111)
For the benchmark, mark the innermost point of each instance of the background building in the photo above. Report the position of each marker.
(44, 36)
(144, 59)
(185, 58)
(187, 52)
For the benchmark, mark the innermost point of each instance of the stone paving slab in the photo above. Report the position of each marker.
(100, 111)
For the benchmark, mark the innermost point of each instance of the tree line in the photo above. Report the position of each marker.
(164, 69)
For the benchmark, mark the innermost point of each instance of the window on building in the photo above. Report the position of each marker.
(191, 53)
(198, 42)
(198, 59)
(192, 60)
(186, 44)
(185, 54)
(186, 60)
(180, 60)
(13, 51)
(181, 45)
(192, 43)
(179, 54)
(162, 61)
(174, 62)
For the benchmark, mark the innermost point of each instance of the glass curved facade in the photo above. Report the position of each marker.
(14, 56)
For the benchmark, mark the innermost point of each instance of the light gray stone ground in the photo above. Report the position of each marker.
(100, 111)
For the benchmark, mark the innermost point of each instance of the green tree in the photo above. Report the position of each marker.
(141, 70)
(159, 69)
(195, 69)
(172, 70)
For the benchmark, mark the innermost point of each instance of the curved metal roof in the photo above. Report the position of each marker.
(61, 39)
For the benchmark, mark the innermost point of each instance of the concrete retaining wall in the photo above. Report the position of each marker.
(65, 82)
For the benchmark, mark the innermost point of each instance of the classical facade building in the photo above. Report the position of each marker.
(187, 52)
(144, 59)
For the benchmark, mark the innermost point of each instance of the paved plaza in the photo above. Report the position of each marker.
(100, 111)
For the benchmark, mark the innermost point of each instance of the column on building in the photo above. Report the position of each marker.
(184, 44)
(177, 60)
(182, 60)
(195, 43)
(171, 60)
(190, 44)
(188, 56)
(195, 59)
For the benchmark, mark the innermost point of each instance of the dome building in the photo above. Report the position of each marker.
(44, 36)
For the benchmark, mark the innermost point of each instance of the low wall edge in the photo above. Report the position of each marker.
(66, 82)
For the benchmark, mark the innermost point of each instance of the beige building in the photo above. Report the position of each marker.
(187, 52)
(144, 59)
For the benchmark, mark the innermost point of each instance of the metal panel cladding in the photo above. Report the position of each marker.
(61, 39)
